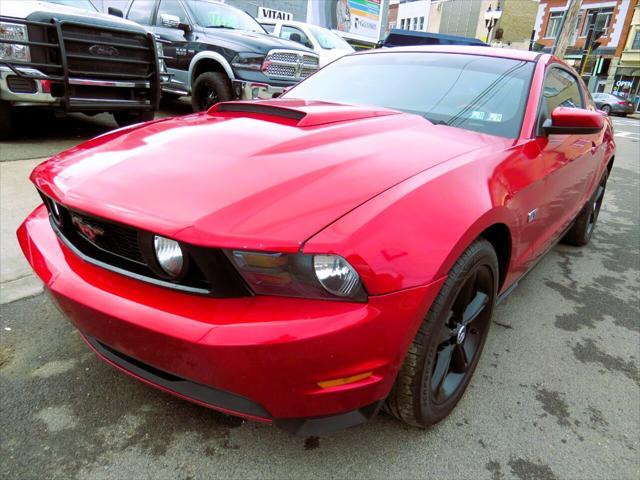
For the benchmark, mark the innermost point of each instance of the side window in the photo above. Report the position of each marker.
(269, 28)
(173, 8)
(296, 35)
(140, 11)
(561, 89)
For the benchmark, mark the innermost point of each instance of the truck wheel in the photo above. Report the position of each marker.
(446, 349)
(209, 89)
(124, 119)
(5, 120)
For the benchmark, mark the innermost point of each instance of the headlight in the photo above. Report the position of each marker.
(250, 61)
(162, 67)
(169, 255)
(12, 51)
(335, 274)
(299, 275)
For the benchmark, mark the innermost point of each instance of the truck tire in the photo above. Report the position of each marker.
(209, 89)
(124, 119)
(5, 120)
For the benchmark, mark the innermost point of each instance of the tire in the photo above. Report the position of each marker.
(124, 119)
(417, 397)
(6, 120)
(585, 223)
(209, 89)
(606, 109)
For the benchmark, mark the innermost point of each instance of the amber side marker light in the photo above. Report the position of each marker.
(343, 381)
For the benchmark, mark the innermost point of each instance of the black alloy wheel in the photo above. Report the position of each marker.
(445, 352)
(585, 223)
(462, 335)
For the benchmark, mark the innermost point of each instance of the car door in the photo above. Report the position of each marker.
(164, 27)
(570, 161)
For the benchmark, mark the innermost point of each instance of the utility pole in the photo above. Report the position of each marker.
(566, 28)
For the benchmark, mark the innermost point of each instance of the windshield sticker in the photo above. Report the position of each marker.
(476, 115)
(495, 117)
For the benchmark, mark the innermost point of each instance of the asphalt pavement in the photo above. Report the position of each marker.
(556, 394)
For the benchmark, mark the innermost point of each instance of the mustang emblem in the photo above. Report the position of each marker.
(104, 51)
(91, 232)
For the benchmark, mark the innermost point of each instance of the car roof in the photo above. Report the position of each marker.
(467, 50)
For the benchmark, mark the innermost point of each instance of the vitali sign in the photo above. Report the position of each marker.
(270, 14)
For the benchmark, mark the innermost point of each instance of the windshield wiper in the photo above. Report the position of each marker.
(220, 26)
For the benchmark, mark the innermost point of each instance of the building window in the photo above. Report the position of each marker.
(598, 19)
(636, 41)
(553, 26)
(402, 24)
(414, 23)
(392, 25)
(578, 29)
(421, 24)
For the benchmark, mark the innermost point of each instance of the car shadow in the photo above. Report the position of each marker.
(38, 133)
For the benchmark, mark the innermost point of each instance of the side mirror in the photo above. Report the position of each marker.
(573, 121)
(173, 21)
(116, 12)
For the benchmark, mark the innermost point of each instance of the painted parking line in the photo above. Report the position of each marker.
(635, 136)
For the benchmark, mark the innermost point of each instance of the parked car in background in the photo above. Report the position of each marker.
(221, 53)
(612, 104)
(327, 44)
(65, 56)
(307, 260)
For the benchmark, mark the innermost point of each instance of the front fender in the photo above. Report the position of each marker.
(413, 233)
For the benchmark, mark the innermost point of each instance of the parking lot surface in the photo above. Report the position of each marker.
(556, 394)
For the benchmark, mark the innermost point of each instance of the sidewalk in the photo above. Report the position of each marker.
(18, 198)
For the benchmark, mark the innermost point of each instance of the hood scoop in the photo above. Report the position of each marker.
(298, 113)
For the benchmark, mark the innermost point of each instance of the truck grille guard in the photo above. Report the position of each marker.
(59, 70)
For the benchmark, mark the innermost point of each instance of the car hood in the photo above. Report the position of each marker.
(241, 40)
(328, 56)
(261, 175)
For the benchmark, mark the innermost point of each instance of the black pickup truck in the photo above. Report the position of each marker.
(218, 52)
(57, 56)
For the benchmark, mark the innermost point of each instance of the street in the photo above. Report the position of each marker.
(556, 393)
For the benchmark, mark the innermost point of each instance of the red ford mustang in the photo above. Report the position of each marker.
(310, 259)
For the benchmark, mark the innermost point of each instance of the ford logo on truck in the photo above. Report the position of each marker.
(104, 51)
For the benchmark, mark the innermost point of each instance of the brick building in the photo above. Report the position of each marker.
(613, 18)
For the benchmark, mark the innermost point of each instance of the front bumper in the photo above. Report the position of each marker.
(245, 90)
(39, 97)
(260, 357)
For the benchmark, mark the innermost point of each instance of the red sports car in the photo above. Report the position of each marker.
(310, 259)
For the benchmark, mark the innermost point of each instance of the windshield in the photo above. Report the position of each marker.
(84, 4)
(328, 39)
(484, 94)
(217, 15)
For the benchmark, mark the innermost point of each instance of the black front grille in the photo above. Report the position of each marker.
(95, 53)
(129, 251)
(21, 85)
(115, 239)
